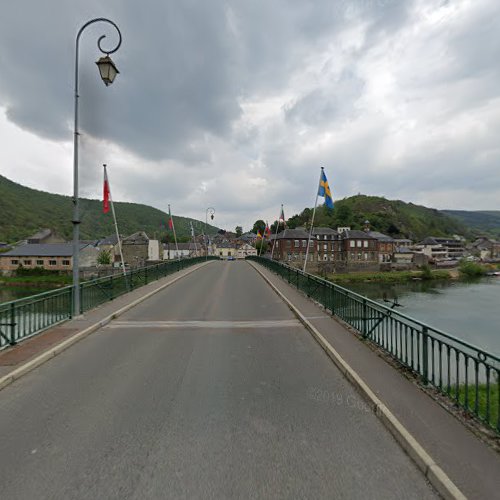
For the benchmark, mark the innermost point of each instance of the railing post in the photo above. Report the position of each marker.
(81, 299)
(425, 356)
(111, 287)
(12, 340)
(365, 319)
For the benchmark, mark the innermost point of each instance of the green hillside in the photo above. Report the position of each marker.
(23, 211)
(487, 222)
(393, 217)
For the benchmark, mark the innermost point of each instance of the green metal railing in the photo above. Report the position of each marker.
(23, 318)
(469, 376)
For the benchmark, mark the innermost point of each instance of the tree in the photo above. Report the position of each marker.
(239, 231)
(104, 257)
(259, 225)
(261, 243)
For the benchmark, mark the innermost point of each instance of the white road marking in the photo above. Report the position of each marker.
(287, 323)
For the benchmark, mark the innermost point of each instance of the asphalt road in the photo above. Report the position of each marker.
(210, 389)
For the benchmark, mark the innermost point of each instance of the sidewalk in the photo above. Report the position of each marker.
(12, 358)
(471, 464)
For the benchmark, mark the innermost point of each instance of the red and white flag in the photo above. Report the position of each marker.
(106, 194)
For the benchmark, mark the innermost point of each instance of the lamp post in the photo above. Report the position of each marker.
(108, 72)
(208, 211)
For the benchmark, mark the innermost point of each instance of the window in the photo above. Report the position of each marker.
(289, 243)
(325, 247)
(39, 262)
(365, 243)
(366, 256)
(289, 256)
(52, 263)
(304, 243)
(359, 243)
(352, 243)
(14, 262)
(27, 262)
(65, 262)
(296, 243)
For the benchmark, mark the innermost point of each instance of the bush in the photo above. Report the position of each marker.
(426, 273)
(35, 271)
(470, 269)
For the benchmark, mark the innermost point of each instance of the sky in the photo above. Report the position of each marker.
(237, 104)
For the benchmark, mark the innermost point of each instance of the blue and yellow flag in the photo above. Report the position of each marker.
(324, 190)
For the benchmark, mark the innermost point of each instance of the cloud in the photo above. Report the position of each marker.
(237, 104)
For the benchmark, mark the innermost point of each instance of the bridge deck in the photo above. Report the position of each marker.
(209, 389)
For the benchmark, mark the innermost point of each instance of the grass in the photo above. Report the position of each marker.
(388, 277)
(482, 393)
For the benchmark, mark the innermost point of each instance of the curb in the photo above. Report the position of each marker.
(58, 349)
(434, 474)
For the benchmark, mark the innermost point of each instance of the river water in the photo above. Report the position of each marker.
(467, 310)
(8, 293)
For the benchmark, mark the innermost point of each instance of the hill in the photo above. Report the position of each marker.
(487, 222)
(23, 211)
(393, 217)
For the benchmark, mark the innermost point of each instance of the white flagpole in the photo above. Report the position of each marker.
(175, 236)
(312, 222)
(194, 240)
(114, 219)
(276, 233)
(262, 240)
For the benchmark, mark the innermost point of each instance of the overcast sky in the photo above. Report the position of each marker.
(237, 104)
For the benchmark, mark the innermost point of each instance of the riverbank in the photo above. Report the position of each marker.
(51, 280)
(394, 276)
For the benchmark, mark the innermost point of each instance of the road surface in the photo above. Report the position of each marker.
(209, 389)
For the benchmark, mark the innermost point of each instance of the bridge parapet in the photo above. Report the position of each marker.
(467, 375)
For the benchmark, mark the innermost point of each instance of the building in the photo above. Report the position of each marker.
(181, 251)
(486, 249)
(45, 236)
(225, 249)
(135, 249)
(386, 246)
(359, 247)
(328, 245)
(291, 246)
(438, 249)
(245, 250)
(50, 256)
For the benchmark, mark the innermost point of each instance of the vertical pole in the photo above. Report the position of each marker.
(276, 234)
(425, 356)
(312, 222)
(115, 222)
(175, 235)
(76, 208)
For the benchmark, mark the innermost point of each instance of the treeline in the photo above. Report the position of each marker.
(24, 211)
(392, 217)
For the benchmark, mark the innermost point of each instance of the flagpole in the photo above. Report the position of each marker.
(194, 240)
(276, 233)
(116, 223)
(312, 222)
(262, 240)
(175, 236)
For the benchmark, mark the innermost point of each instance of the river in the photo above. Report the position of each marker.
(8, 293)
(468, 310)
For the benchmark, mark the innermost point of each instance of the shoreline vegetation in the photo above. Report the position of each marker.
(465, 270)
(56, 280)
(393, 276)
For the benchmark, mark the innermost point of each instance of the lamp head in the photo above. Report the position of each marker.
(107, 69)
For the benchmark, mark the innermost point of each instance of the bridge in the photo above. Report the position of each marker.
(223, 381)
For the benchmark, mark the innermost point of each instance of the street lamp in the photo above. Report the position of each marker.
(208, 211)
(108, 72)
